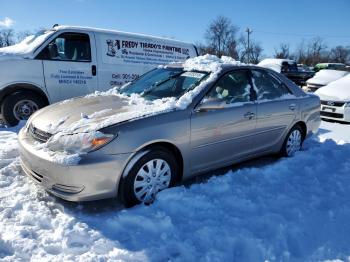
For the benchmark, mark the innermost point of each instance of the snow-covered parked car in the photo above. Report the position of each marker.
(335, 100)
(172, 123)
(289, 68)
(324, 77)
(71, 61)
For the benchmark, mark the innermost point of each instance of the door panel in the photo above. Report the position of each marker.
(273, 119)
(67, 64)
(219, 136)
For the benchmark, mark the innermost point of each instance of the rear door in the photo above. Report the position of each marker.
(276, 109)
(69, 65)
(221, 135)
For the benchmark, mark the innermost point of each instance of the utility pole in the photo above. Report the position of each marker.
(249, 31)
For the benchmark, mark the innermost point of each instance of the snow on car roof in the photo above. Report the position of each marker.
(274, 63)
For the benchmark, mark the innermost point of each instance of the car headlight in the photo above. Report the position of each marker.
(347, 104)
(79, 142)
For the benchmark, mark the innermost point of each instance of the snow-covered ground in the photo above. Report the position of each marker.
(289, 209)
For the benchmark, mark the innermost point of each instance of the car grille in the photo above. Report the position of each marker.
(38, 134)
(334, 115)
(331, 103)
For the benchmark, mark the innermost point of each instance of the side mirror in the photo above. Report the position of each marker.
(210, 104)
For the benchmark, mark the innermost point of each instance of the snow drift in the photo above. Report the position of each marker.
(289, 209)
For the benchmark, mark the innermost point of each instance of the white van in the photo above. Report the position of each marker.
(68, 61)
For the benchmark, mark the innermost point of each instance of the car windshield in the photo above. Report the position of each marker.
(164, 82)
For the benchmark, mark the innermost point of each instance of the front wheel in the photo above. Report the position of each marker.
(19, 106)
(155, 171)
(293, 141)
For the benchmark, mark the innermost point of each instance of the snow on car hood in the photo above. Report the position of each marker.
(25, 48)
(101, 109)
(326, 76)
(338, 90)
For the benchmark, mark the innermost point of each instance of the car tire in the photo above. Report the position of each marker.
(293, 142)
(142, 183)
(19, 106)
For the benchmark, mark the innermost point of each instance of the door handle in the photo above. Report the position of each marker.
(249, 115)
(93, 70)
(292, 107)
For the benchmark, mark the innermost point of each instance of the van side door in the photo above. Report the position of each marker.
(69, 65)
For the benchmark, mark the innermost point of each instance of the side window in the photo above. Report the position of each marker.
(233, 87)
(68, 47)
(267, 86)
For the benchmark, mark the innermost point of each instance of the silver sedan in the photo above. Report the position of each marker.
(239, 113)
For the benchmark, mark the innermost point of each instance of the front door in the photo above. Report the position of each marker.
(69, 65)
(222, 135)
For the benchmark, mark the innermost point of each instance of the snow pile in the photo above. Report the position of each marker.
(289, 209)
(26, 47)
(338, 90)
(274, 63)
(137, 107)
(326, 76)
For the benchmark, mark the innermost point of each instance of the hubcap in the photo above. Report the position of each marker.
(24, 108)
(152, 177)
(294, 142)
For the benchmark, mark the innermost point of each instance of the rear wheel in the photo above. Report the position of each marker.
(155, 171)
(293, 141)
(19, 106)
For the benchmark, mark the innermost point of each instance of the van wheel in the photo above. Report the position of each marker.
(293, 141)
(19, 106)
(155, 171)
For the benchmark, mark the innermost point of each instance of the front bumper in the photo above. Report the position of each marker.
(336, 111)
(96, 176)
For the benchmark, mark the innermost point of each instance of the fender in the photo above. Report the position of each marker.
(133, 160)
(15, 87)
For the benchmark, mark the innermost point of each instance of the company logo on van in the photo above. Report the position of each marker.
(112, 46)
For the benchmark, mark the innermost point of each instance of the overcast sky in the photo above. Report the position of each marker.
(272, 21)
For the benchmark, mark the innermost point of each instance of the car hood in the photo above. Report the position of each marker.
(338, 90)
(89, 113)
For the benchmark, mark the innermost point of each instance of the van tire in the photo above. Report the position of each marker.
(19, 106)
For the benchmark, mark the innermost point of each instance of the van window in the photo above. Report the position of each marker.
(68, 47)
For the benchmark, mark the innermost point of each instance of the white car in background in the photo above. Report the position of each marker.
(324, 77)
(335, 100)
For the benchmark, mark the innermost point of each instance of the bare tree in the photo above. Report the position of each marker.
(255, 50)
(221, 37)
(282, 51)
(6, 37)
(340, 54)
(316, 48)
